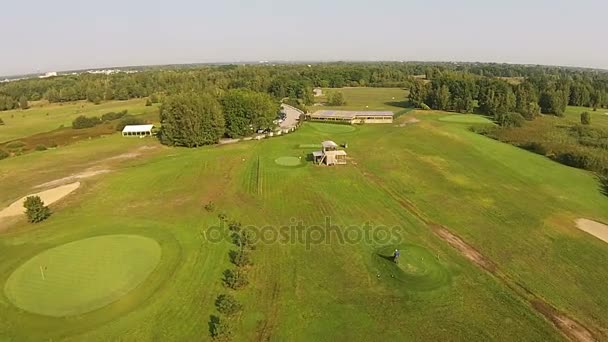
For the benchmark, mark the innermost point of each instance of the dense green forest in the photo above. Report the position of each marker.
(487, 88)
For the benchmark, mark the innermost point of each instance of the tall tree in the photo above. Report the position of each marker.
(191, 120)
(23, 104)
(246, 111)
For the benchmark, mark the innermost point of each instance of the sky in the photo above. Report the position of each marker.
(44, 35)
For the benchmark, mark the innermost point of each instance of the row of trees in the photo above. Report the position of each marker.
(197, 119)
(220, 326)
(553, 86)
(467, 92)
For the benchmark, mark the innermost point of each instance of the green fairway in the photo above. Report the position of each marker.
(515, 208)
(465, 118)
(391, 99)
(332, 128)
(82, 276)
(47, 117)
(416, 270)
(288, 161)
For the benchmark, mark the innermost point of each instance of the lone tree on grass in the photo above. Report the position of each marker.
(23, 104)
(1, 122)
(220, 329)
(336, 99)
(36, 211)
(585, 118)
(226, 304)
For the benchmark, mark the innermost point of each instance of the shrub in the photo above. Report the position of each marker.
(15, 145)
(85, 122)
(243, 239)
(220, 329)
(222, 216)
(113, 115)
(36, 211)
(585, 118)
(53, 145)
(40, 147)
(226, 304)
(129, 120)
(424, 106)
(235, 279)
(336, 99)
(240, 258)
(1, 122)
(210, 207)
(148, 103)
(3, 154)
(234, 226)
(510, 119)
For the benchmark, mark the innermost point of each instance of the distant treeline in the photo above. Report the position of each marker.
(447, 86)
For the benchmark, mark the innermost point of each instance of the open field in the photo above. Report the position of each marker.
(513, 212)
(599, 118)
(47, 117)
(392, 99)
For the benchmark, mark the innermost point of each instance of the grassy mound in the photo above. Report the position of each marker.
(417, 268)
(82, 276)
(465, 118)
(332, 128)
(288, 161)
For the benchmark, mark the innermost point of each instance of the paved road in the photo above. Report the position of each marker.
(293, 114)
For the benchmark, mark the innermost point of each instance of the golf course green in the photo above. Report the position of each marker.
(417, 269)
(288, 161)
(83, 275)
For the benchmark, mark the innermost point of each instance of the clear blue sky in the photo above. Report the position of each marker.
(45, 35)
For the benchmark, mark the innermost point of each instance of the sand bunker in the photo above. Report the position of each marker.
(72, 178)
(599, 230)
(48, 197)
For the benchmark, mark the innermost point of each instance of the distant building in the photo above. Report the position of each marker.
(137, 130)
(352, 117)
(48, 74)
(330, 154)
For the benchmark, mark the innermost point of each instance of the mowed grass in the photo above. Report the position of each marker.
(599, 118)
(381, 99)
(466, 119)
(83, 275)
(515, 207)
(47, 117)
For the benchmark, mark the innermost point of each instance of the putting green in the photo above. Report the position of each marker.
(82, 276)
(332, 128)
(288, 161)
(417, 268)
(465, 118)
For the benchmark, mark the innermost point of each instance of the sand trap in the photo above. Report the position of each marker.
(72, 178)
(599, 230)
(48, 197)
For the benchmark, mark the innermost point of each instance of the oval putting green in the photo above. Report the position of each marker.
(417, 268)
(332, 128)
(288, 161)
(83, 275)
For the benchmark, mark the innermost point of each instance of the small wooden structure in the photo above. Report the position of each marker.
(329, 155)
(137, 130)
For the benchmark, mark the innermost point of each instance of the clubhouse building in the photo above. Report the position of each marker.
(352, 117)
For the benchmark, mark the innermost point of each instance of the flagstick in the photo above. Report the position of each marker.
(42, 273)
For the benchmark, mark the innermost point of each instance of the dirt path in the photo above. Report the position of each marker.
(597, 229)
(568, 326)
(48, 197)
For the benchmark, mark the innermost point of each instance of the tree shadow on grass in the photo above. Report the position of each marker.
(401, 104)
(603, 185)
(387, 257)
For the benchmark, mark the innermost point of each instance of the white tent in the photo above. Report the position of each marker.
(137, 130)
